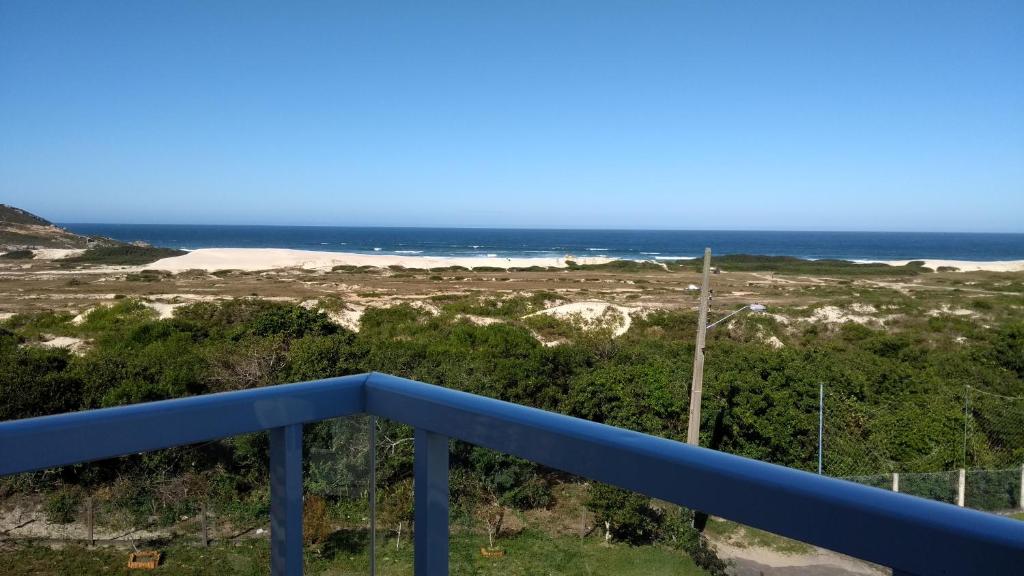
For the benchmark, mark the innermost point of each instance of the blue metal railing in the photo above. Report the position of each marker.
(911, 535)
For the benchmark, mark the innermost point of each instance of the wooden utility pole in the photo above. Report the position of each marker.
(693, 426)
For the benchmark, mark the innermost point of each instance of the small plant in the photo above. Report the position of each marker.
(62, 506)
(316, 525)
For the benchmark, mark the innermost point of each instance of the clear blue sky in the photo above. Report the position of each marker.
(860, 115)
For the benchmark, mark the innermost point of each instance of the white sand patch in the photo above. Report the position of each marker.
(774, 342)
(56, 253)
(863, 308)
(349, 318)
(420, 305)
(164, 310)
(30, 522)
(594, 314)
(251, 259)
(6, 315)
(479, 320)
(961, 265)
(947, 310)
(836, 315)
(74, 345)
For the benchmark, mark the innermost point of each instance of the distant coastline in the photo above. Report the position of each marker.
(545, 245)
(252, 259)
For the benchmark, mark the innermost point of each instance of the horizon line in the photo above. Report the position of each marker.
(546, 228)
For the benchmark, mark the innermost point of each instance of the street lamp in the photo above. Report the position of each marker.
(751, 307)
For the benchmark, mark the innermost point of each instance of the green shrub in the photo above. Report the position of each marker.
(18, 255)
(122, 255)
(61, 506)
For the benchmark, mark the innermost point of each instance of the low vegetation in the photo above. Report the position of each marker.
(791, 265)
(895, 393)
(18, 255)
(124, 255)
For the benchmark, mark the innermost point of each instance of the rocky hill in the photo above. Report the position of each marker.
(23, 230)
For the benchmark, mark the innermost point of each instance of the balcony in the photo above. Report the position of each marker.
(910, 535)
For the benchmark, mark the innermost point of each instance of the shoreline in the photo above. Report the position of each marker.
(253, 259)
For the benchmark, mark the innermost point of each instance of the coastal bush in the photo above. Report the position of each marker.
(629, 515)
(18, 255)
(895, 394)
(792, 265)
(126, 255)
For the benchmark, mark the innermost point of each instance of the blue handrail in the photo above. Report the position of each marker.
(909, 534)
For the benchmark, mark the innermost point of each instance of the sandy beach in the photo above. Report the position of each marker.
(249, 259)
(963, 265)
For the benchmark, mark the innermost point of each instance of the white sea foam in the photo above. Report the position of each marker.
(408, 251)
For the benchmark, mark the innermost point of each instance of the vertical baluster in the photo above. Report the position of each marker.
(286, 501)
(431, 520)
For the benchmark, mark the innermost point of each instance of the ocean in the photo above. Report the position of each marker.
(525, 243)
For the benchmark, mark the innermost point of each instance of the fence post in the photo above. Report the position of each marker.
(895, 481)
(286, 500)
(961, 488)
(431, 500)
(202, 516)
(90, 520)
(1020, 501)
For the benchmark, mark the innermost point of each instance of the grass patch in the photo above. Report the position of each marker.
(344, 552)
(354, 269)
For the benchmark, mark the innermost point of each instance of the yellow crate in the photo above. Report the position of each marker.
(147, 560)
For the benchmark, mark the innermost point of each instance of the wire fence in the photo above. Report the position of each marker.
(963, 448)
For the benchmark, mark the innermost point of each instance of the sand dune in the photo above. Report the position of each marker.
(965, 265)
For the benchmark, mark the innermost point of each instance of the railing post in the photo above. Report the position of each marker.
(286, 500)
(961, 488)
(1020, 501)
(895, 481)
(431, 495)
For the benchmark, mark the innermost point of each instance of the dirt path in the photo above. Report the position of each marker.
(760, 561)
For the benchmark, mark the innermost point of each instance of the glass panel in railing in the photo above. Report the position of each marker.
(336, 493)
(198, 509)
(394, 498)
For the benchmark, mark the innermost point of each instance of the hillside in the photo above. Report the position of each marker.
(20, 229)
